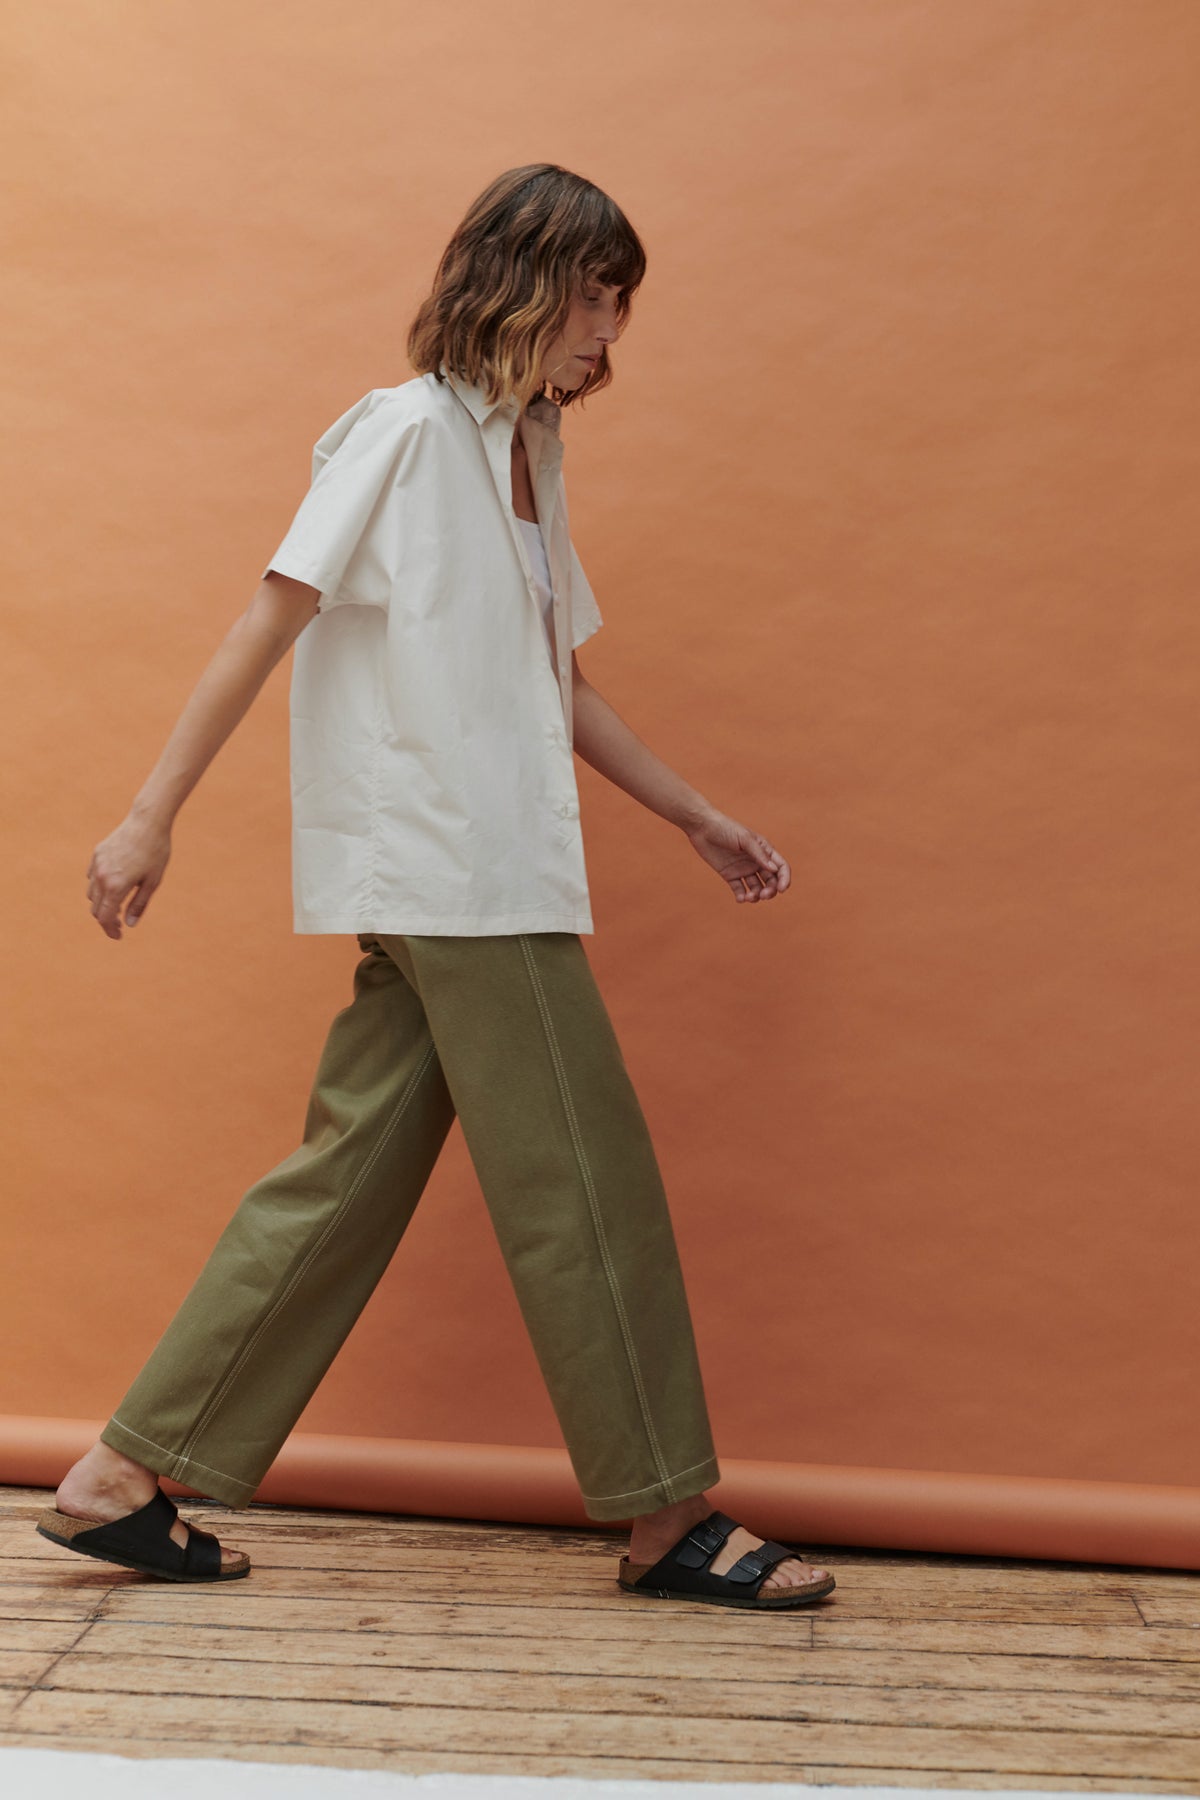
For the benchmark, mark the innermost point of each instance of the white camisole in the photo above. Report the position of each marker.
(541, 574)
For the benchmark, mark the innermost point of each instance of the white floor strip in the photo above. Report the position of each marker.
(69, 1774)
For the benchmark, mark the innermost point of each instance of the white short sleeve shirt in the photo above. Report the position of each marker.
(432, 768)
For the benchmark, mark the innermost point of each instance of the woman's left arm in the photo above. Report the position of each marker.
(753, 869)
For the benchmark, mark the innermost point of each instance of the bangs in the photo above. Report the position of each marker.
(615, 260)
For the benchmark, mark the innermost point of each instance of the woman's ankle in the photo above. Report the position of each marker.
(671, 1521)
(103, 1472)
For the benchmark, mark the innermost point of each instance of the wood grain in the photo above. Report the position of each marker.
(424, 1645)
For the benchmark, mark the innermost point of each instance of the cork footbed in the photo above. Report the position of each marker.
(763, 1600)
(61, 1528)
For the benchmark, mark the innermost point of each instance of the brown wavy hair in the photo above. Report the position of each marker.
(507, 277)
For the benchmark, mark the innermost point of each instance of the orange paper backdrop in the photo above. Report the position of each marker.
(891, 515)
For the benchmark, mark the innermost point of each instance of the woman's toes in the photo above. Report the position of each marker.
(794, 1573)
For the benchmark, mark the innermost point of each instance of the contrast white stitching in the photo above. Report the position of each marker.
(668, 1481)
(593, 1204)
(183, 1462)
(302, 1268)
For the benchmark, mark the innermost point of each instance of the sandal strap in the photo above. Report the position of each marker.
(759, 1561)
(201, 1553)
(698, 1546)
(148, 1530)
(142, 1540)
(684, 1568)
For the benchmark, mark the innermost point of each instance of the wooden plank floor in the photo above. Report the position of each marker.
(428, 1644)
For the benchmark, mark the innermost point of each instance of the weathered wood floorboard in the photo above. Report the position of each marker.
(424, 1645)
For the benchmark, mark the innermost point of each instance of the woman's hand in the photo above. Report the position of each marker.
(130, 859)
(746, 861)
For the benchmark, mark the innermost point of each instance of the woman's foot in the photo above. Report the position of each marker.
(654, 1533)
(104, 1485)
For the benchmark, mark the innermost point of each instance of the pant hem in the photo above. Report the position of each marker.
(659, 1493)
(212, 1483)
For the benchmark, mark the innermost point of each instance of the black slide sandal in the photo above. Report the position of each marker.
(683, 1573)
(142, 1541)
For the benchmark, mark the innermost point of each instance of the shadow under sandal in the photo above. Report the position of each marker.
(142, 1540)
(683, 1573)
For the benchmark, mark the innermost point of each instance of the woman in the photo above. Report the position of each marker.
(435, 602)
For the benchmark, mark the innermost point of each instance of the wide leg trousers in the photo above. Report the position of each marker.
(509, 1033)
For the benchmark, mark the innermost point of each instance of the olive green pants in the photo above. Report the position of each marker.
(511, 1034)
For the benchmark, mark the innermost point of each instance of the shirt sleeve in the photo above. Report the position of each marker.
(585, 614)
(344, 537)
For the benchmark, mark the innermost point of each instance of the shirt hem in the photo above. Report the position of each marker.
(444, 925)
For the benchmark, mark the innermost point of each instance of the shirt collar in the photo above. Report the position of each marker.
(544, 410)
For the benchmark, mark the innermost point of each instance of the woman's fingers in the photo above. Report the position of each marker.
(139, 901)
(105, 894)
(107, 906)
(752, 867)
(126, 869)
(776, 865)
(760, 884)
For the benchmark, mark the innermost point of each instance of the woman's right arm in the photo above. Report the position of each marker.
(133, 858)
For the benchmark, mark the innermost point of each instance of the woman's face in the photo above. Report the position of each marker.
(591, 325)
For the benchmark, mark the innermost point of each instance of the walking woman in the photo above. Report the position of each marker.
(435, 603)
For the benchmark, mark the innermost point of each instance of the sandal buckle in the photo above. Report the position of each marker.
(711, 1540)
(747, 1567)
